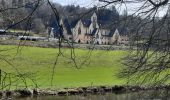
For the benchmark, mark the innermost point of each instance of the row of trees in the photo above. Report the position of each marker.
(43, 17)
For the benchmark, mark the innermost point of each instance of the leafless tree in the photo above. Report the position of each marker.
(26, 18)
(149, 57)
(148, 60)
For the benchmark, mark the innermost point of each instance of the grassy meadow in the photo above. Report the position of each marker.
(95, 68)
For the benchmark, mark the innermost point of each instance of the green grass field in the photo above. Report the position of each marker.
(99, 69)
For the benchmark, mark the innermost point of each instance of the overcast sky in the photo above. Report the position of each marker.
(84, 3)
(90, 3)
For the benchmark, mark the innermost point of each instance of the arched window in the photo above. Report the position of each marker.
(79, 30)
(97, 35)
(98, 42)
(94, 22)
(79, 41)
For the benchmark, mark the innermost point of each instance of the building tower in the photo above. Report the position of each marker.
(94, 20)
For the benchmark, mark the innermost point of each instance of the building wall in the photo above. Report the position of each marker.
(101, 36)
(125, 40)
(98, 37)
(94, 24)
(65, 34)
(103, 39)
(116, 38)
(80, 32)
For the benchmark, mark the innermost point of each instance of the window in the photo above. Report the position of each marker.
(94, 19)
(97, 42)
(79, 41)
(79, 30)
(70, 38)
(94, 22)
(97, 35)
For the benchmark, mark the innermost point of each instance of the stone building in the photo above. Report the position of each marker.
(90, 31)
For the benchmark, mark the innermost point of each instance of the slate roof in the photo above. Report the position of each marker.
(110, 33)
(56, 28)
(103, 20)
(67, 26)
(56, 32)
(86, 22)
(123, 31)
(93, 32)
(73, 23)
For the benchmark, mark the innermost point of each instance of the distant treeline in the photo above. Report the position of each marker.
(44, 17)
